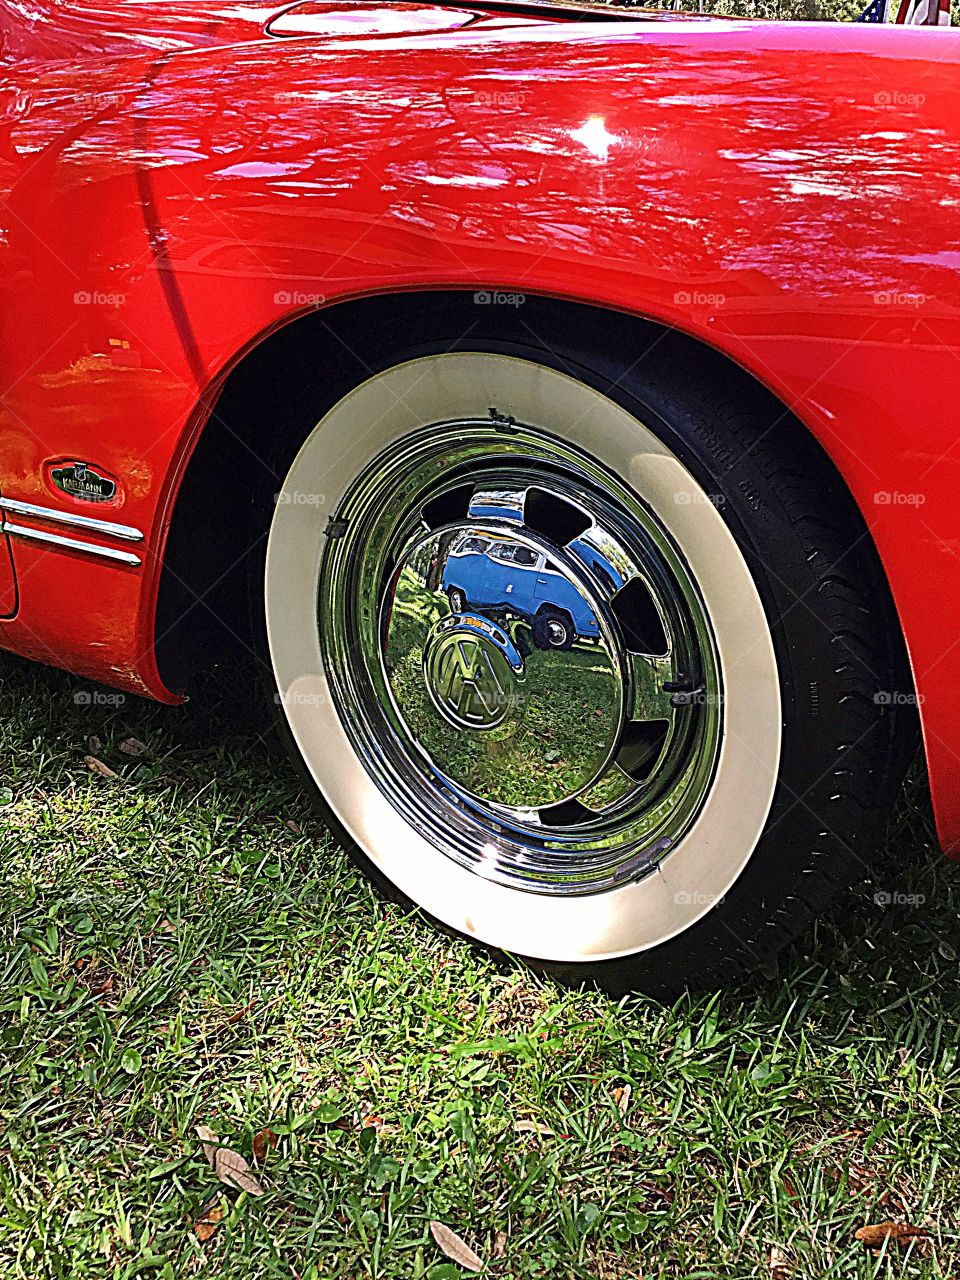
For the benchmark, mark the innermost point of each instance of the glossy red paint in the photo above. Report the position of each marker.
(8, 586)
(177, 184)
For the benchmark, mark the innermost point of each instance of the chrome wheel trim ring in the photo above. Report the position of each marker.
(557, 631)
(704, 863)
(557, 767)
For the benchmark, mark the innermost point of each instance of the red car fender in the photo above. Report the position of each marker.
(786, 194)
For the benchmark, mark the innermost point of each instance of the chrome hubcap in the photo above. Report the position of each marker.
(520, 656)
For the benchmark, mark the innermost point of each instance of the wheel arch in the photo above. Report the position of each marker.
(547, 610)
(202, 594)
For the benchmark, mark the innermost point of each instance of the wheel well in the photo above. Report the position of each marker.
(276, 393)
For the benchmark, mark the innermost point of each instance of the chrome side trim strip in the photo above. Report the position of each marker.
(106, 527)
(70, 544)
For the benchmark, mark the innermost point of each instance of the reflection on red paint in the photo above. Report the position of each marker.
(788, 194)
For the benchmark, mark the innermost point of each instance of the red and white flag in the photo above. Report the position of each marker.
(924, 13)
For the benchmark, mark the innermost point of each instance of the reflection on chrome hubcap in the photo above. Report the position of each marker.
(467, 677)
(483, 671)
(521, 657)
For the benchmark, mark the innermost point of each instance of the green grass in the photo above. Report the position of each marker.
(550, 734)
(783, 10)
(786, 10)
(185, 945)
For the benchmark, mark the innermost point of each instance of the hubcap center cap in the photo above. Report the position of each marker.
(503, 665)
(468, 674)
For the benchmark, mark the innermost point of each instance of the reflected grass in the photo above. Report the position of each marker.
(557, 712)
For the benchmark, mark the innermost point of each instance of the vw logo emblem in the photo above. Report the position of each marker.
(468, 679)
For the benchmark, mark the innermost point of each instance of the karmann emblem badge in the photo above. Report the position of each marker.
(464, 680)
(80, 480)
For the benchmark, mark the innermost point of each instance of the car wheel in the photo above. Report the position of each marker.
(666, 808)
(552, 631)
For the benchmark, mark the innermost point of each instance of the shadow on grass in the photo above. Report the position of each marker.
(890, 961)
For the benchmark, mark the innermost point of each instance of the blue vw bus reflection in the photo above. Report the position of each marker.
(499, 577)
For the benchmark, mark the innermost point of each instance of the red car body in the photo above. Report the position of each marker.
(181, 180)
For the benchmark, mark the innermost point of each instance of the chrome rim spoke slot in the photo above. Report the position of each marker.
(521, 657)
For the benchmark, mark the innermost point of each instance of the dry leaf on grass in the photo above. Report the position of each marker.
(211, 1215)
(901, 1232)
(500, 1244)
(133, 747)
(99, 767)
(263, 1142)
(622, 1099)
(533, 1126)
(779, 1263)
(233, 1170)
(93, 745)
(210, 1142)
(240, 1013)
(858, 1177)
(229, 1166)
(664, 1193)
(861, 1180)
(454, 1248)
